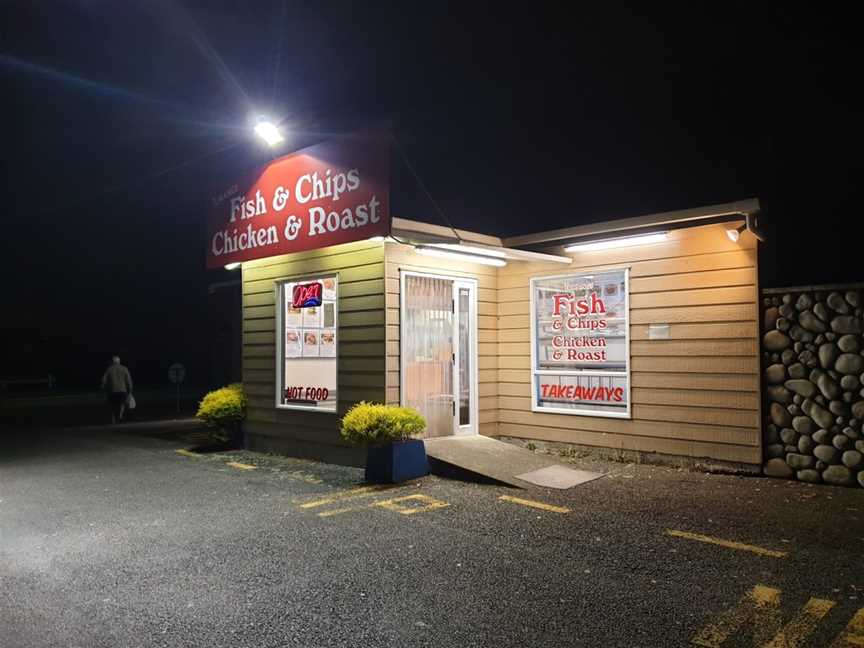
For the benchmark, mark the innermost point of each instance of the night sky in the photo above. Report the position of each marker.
(121, 116)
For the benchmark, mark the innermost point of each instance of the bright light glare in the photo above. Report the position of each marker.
(459, 256)
(627, 241)
(269, 132)
(233, 266)
(734, 233)
(470, 249)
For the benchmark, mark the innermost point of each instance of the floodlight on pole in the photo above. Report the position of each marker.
(269, 132)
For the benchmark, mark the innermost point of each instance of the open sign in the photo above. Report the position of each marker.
(306, 295)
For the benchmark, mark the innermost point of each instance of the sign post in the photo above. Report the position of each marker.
(177, 374)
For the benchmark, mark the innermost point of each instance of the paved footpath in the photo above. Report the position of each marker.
(110, 537)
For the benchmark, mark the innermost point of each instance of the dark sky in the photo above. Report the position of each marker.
(120, 116)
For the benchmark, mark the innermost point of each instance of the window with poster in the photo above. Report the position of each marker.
(306, 332)
(580, 344)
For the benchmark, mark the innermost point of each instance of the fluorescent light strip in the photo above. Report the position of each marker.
(459, 256)
(470, 249)
(233, 266)
(627, 241)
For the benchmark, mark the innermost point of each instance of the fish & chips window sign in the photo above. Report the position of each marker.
(580, 351)
(331, 193)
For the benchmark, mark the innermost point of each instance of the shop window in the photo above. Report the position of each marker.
(306, 331)
(580, 350)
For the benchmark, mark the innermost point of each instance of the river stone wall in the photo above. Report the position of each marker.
(813, 370)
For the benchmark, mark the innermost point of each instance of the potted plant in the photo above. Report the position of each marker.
(392, 456)
(223, 411)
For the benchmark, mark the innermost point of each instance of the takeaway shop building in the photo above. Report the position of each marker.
(638, 335)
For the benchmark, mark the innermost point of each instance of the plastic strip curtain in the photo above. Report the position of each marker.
(427, 335)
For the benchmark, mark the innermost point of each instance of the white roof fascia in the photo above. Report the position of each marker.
(679, 218)
(408, 228)
(429, 234)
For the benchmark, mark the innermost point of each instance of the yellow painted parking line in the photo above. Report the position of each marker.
(363, 491)
(241, 466)
(333, 512)
(394, 504)
(187, 453)
(760, 608)
(795, 633)
(538, 505)
(729, 544)
(853, 635)
(759, 615)
(309, 478)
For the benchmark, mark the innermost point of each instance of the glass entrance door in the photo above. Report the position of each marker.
(439, 352)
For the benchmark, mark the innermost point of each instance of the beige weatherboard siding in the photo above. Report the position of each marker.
(695, 394)
(360, 353)
(401, 258)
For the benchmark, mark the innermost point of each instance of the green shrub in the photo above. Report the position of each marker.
(375, 424)
(223, 407)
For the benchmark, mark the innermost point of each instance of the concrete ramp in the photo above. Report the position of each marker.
(479, 457)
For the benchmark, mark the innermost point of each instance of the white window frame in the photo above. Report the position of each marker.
(280, 341)
(535, 406)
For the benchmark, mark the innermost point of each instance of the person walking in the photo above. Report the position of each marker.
(117, 383)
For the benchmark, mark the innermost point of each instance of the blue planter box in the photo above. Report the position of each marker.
(396, 462)
(238, 437)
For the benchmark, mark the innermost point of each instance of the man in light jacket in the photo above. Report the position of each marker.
(117, 383)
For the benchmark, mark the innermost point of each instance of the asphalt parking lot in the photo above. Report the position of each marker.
(110, 537)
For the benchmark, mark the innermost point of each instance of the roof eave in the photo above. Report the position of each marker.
(638, 224)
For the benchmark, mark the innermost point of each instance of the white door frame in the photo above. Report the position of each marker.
(473, 399)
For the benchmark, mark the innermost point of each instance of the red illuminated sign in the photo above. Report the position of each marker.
(327, 194)
(306, 295)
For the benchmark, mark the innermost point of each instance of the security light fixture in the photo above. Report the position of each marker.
(627, 241)
(233, 266)
(734, 233)
(269, 132)
(428, 250)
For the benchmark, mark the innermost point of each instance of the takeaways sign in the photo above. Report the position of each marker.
(327, 194)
